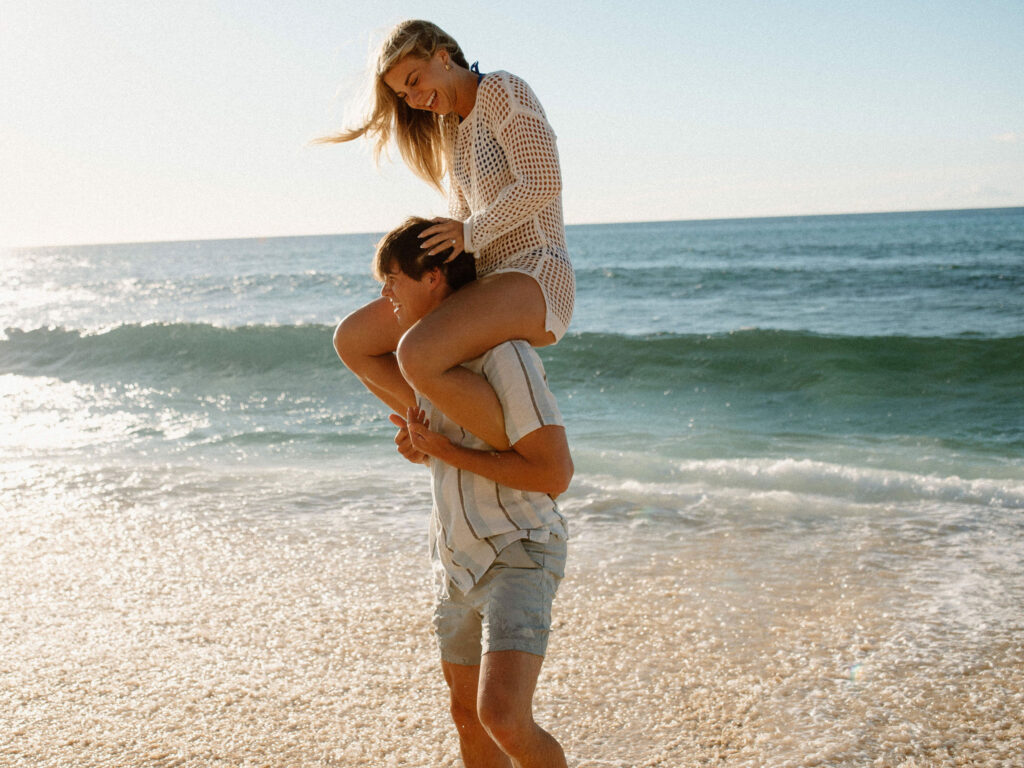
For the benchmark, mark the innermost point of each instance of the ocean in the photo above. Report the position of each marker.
(797, 517)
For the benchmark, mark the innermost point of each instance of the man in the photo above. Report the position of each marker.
(498, 539)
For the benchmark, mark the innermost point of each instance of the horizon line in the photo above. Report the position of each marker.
(574, 224)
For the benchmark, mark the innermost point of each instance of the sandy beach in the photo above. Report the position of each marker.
(183, 637)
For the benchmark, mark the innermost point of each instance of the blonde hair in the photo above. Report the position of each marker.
(421, 136)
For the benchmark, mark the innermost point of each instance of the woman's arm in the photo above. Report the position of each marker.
(528, 142)
(448, 232)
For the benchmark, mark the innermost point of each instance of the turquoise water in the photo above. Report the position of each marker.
(884, 341)
(780, 407)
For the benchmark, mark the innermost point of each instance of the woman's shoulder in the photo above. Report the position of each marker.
(495, 86)
(508, 92)
(501, 76)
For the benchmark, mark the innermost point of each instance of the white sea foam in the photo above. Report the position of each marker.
(860, 484)
(688, 482)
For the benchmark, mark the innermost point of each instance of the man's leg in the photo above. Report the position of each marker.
(478, 749)
(504, 706)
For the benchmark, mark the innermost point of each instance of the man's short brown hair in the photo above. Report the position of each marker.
(400, 248)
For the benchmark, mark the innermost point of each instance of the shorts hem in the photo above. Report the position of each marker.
(462, 661)
(533, 647)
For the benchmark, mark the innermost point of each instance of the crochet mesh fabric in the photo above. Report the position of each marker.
(506, 187)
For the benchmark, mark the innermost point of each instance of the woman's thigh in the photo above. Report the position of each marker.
(479, 316)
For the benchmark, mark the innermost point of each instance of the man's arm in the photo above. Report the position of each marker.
(540, 461)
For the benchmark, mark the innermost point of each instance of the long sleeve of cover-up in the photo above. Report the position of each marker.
(506, 187)
(514, 164)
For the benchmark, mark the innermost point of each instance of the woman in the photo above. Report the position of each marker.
(489, 136)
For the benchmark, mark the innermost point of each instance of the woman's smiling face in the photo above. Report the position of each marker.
(423, 83)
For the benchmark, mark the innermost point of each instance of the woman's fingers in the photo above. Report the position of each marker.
(440, 243)
(440, 232)
(445, 233)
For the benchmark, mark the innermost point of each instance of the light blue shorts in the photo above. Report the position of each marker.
(509, 609)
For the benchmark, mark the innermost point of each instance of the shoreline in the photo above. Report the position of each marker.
(161, 638)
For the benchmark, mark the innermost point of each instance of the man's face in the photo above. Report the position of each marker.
(410, 298)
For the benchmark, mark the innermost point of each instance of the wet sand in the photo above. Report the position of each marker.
(149, 636)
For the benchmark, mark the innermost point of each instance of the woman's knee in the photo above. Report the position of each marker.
(364, 333)
(349, 342)
(416, 362)
(341, 338)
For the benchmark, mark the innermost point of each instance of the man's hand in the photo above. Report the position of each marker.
(404, 442)
(421, 438)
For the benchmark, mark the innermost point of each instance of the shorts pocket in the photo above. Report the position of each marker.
(515, 555)
(549, 554)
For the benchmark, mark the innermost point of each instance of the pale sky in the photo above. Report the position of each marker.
(142, 120)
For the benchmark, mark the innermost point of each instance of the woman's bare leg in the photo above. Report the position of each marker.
(481, 315)
(366, 341)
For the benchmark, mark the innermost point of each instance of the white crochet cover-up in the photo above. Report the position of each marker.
(506, 188)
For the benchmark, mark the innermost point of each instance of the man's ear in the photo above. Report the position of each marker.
(434, 277)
